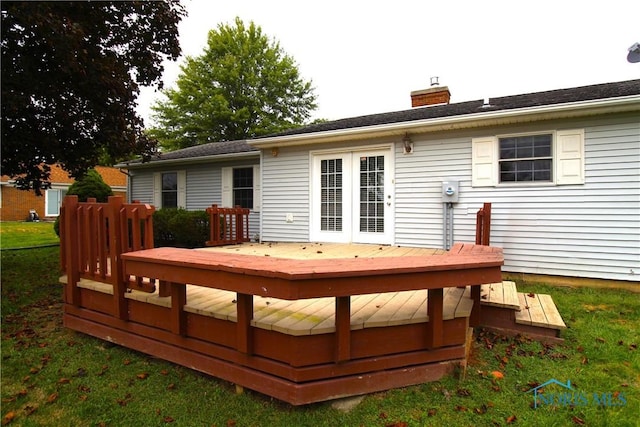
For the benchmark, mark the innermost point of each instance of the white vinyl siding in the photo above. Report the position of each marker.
(587, 230)
(203, 187)
(285, 191)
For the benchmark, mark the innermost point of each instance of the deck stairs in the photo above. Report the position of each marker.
(503, 307)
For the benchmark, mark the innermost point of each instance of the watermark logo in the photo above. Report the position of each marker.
(569, 396)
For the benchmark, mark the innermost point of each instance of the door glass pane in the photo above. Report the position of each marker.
(331, 195)
(372, 194)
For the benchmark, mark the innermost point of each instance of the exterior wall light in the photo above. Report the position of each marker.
(407, 144)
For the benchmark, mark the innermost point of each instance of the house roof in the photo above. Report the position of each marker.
(112, 177)
(448, 113)
(445, 116)
(210, 150)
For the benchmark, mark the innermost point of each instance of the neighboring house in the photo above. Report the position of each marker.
(194, 178)
(15, 204)
(561, 169)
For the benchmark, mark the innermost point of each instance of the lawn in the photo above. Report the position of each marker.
(54, 376)
(21, 234)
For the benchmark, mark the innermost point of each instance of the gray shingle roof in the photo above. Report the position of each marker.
(537, 99)
(551, 97)
(204, 150)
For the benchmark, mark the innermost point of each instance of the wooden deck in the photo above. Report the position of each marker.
(299, 322)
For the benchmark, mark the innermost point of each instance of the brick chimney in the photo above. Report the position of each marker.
(433, 96)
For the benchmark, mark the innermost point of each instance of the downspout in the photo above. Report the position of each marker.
(126, 172)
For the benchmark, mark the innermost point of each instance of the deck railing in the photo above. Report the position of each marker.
(93, 236)
(483, 237)
(228, 226)
(483, 225)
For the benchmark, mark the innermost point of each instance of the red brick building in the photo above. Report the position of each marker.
(15, 204)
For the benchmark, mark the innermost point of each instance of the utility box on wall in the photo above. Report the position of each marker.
(450, 191)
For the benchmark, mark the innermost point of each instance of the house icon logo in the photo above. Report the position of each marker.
(537, 391)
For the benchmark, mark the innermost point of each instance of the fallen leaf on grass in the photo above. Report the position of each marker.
(168, 419)
(34, 370)
(599, 339)
(164, 372)
(52, 397)
(577, 420)
(171, 386)
(231, 423)
(511, 419)
(398, 424)
(497, 375)
(460, 408)
(64, 381)
(382, 416)
(9, 416)
(142, 376)
(463, 392)
(126, 362)
(431, 412)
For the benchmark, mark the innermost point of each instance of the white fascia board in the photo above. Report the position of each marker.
(189, 160)
(490, 118)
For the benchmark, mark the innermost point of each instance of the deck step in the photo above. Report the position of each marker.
(502, 294)
(539, 310)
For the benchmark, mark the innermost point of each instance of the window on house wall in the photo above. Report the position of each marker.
(170, 190)
(526, 158)
(53, 201)
(243, 187)
(555, 157)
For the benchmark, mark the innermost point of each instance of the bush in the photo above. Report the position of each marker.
(180, 228)
(91, 185)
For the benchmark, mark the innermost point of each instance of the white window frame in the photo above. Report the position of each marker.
(62, 191)
(182, 188)
(567, 159)
(227, 186)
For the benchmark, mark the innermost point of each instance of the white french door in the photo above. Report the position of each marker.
(351, 197)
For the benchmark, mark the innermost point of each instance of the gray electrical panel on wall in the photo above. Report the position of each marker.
(450, 191)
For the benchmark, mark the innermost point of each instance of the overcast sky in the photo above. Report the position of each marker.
(365, 57)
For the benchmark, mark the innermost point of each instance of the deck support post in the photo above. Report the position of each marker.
(474, 319)
(178, 301)
(435, 302)
(244, 309)
(343, 328)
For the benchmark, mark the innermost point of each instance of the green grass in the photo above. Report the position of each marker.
(20, 234)
(54, 376)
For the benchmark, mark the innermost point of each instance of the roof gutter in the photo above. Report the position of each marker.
(187, 161)
(487, 118)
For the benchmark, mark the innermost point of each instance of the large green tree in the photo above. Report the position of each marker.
(243, 85)
(70, 79)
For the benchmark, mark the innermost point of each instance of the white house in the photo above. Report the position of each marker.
(561, 169)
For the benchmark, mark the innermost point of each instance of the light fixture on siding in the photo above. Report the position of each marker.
(275, 151)
(407, 144)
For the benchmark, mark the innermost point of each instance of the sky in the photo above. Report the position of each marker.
(365, 57)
